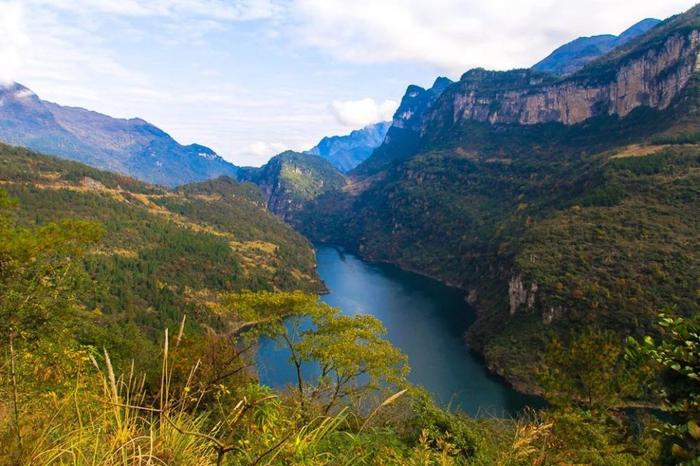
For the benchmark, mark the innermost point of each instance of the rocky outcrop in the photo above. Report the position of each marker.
(652, 79)
(519, 294)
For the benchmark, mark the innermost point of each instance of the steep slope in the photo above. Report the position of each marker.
(403, 134)
(131, 147)
(549, 201)
(576, 54)
(290, 179)
(164, 252)
(347, 152)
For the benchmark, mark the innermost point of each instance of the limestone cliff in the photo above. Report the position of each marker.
(649, 76)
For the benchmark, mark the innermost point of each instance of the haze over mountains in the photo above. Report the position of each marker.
(561, 202)
(347, 152)
(132, 147)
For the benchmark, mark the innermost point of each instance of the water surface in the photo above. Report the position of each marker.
(424, 318)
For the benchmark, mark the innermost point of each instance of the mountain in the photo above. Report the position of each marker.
(555, 204)
(131, 147)
(405, 125)
(164, 251)
(347, 152)
(291, 179)
(574, 55)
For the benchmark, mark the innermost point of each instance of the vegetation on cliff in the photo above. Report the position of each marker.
(550, 226)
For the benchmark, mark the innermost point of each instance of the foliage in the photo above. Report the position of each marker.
(589, 368)
(65, 403)
(164, 252)
(677, 356)
(354, 360)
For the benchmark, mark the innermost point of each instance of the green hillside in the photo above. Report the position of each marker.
(291, 179)
(547, 227)
(164, 252)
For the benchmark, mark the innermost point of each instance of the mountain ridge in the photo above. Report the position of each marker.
(348, 151)
(128, 146)
(491, 195)
(574, 55)
(291, 179)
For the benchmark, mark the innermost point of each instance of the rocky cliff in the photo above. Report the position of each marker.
(652, 78)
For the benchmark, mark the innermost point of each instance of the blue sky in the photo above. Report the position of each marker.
(254, 77)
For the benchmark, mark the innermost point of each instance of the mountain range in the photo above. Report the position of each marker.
(347, 152)
(131, 147)
(574, 55)
(549, 200)
(549, 195)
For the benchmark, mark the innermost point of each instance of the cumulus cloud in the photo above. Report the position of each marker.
(264, 150)
(454, 35)
(358, 113)
(13, 40)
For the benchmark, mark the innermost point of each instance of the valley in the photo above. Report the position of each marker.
(506, 273)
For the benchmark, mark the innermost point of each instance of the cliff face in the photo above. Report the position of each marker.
(402, 136)
(527, 97)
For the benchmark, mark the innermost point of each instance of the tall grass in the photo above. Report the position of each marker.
(115, 422)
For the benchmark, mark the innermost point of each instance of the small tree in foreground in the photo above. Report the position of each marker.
(353, 357)
(677, 356)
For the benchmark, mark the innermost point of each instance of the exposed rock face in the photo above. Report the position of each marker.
(519, 293)
(527, 97)
(405, 128)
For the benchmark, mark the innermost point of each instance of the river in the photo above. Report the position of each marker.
(424, 318)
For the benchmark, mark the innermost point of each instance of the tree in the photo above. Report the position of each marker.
(353, 357)
(677, 358)
(40, 271)
(588, 368)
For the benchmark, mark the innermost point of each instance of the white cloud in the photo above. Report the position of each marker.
(13, 40)
(455, 35)
(358, 113)
(264, 150)
(229, 10)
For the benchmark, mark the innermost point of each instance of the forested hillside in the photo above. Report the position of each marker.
(547, 223)
(289, 180)
(74, 392)
(164, 252)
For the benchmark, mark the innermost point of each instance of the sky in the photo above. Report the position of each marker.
(251, 78)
